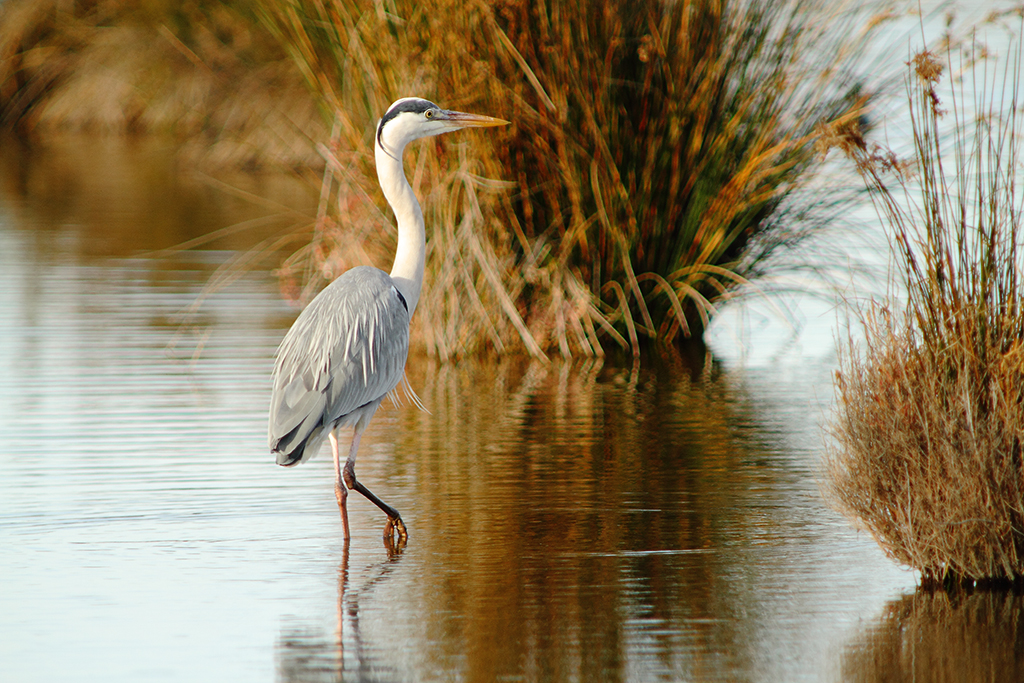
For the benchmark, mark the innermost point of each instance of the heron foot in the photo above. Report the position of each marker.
(396, 527)
(392, 545)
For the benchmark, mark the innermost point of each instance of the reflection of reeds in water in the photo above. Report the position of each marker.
(562, 434)
(569, 506)
(566, 522)
(931, 411)
(939, 637)
(570, 522)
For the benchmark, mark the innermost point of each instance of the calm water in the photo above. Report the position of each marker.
(567, 522)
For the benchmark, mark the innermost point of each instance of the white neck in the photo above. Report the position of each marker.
(407, 273)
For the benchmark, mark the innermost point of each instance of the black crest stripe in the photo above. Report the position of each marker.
(414, 106)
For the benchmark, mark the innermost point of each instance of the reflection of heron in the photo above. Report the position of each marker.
(305, 653)
(347, 349)
(349, 603)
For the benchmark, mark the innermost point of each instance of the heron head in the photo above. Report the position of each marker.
(411, 118)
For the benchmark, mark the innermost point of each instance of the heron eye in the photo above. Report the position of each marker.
(429, 113)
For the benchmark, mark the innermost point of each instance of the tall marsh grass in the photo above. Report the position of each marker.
(654, 164)
(659, 159)
(929, 422)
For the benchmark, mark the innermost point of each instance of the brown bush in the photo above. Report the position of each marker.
(928, 453)
(930, 409)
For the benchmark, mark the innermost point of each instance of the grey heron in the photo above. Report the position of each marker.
(347, 349)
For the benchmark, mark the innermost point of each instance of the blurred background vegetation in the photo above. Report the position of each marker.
(660, 155)
(202, 71)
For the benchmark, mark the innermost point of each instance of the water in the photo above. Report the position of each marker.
(567, 522)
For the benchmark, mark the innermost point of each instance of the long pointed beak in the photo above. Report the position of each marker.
(464, 120)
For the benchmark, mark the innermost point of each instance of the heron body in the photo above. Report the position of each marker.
(347, 350)
(361, 327)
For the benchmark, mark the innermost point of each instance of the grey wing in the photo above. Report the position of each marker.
(346, 349)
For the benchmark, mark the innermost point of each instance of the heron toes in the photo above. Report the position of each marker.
(395, 537)
(396, 526)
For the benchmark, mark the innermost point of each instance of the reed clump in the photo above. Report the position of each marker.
(929, 421)
(675, 138)
(655, 164)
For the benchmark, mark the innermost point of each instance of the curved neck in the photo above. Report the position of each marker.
(407, 273)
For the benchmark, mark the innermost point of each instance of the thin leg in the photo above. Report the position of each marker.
(340, 492)
(395, 522)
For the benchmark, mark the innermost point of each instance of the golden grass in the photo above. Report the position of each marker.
(658, 159)
(929, 421)
(653, 166)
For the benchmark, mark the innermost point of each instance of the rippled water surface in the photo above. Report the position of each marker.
(567, 522)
